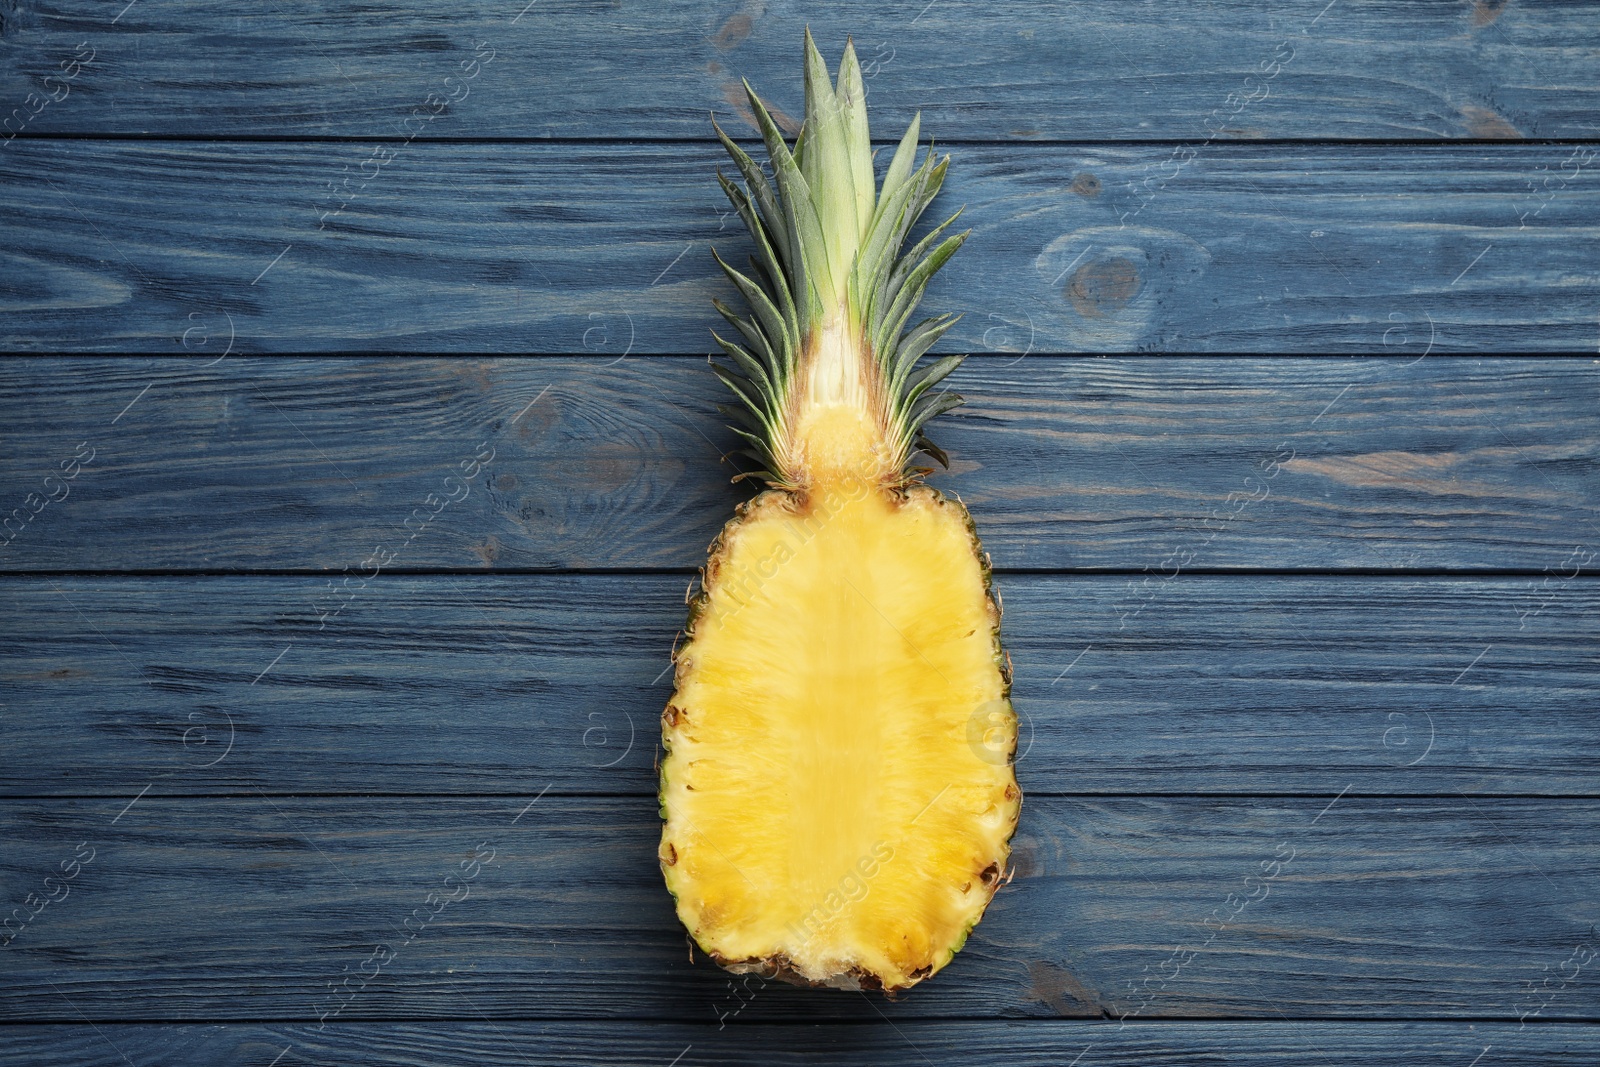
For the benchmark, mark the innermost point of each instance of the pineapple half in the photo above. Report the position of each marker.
(837, 786)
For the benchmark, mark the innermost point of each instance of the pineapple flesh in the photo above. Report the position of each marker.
(837, 786)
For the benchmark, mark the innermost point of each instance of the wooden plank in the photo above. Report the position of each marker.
(603, 249)
(1029, 1043)
(259, 908)
(1133, 464)
(511, 685)
(1387, 69)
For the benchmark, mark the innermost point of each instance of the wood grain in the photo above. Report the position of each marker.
(1077, 70)
(1030, 1043)
(251, 908)
(509, 685)
(1137, 464)
(604, 249)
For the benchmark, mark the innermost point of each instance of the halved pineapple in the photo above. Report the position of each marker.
(837, 787)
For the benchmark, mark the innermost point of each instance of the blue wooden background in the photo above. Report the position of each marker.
(358, 447)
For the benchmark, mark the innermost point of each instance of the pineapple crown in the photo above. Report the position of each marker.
(829, 260)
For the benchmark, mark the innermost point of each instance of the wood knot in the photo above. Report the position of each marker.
(734, 31)
(1486, 11)
(1104, 286)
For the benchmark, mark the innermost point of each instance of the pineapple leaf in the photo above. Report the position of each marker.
(912, 259)
(748, 364)
(767, 314)
(882, 243)
(742, 416)
(832, 275)
(761, 191)
(929, 376)
(890, 257)
(915, 344)
(851, 94)
(762, 454)
(933, 450)
(929, 406)
(905, 157)
(906, 301)
(745, 391)
(827, 160)
(751, 333)
(806, 232)
(780, 282)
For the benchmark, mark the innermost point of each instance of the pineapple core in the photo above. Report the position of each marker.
(840, 432)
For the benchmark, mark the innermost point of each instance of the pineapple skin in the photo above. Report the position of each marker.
(751, 848)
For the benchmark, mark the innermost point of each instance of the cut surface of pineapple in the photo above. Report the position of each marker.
(833, 810)
(837, 787)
